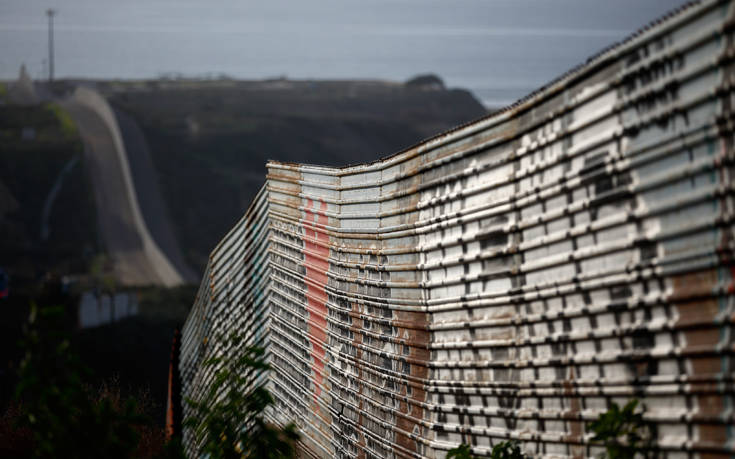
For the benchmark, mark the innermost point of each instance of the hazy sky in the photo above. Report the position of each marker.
(498, 48)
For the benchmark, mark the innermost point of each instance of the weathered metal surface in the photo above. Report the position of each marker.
(508, 279)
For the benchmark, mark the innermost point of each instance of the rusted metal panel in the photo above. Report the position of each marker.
(508, 279)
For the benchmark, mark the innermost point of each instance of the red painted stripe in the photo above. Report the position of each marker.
(316, 271)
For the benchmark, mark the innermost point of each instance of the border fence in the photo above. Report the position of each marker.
(510, 278)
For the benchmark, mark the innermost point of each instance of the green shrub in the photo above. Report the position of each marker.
(504, 450)
(65, 418)
(66, 124)
(460, 452)
(623, 432)
(507, 450)
(228, 421)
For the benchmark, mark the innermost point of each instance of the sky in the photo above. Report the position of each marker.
(500, 49)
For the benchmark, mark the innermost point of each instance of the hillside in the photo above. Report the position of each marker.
(46, 212)
(204, 144)
(209, 141)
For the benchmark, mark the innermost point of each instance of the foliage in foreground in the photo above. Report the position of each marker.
(62, 415)
(228, 421)
(623, 432)
(503, 450)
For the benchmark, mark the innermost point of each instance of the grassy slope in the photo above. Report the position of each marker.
(210, 141)
(30, 167)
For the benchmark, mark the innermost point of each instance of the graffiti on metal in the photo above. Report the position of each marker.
(509, 279)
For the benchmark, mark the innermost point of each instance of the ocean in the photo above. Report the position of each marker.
(498, 49)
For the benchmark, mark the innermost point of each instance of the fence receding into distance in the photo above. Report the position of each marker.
(510, 278)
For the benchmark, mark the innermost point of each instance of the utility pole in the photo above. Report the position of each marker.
(50, 13)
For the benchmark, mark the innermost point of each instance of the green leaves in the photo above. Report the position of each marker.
(623, 432)
(460, 452)
(228, 422)
(507, 450)
(65, 417)
(503, 450)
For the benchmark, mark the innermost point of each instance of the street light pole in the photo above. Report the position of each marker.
(50, 13)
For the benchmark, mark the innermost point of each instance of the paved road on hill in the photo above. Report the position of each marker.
(124, 235)
(154, 209)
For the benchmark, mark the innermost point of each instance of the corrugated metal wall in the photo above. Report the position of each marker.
(508, 279)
